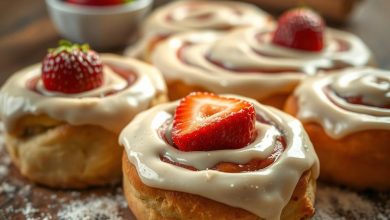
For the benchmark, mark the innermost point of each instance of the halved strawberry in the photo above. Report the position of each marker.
(72, 68)
(205, 121)
(301, 29)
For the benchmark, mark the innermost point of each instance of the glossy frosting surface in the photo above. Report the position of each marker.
(181, 16)
(324, 99)
(110, 106)
(245, 62)
(264, 192)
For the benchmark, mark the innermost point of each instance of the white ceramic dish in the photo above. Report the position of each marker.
(102, 27)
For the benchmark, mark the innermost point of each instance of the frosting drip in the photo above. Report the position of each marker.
(129, 86)
(263, 192)
(349, 101)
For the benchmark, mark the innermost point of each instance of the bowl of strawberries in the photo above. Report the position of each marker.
(104, 24)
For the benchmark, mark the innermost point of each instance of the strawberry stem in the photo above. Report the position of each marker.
(65, 45)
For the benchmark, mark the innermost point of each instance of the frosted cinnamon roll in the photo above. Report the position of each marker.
(218, 157)
(347, 116)
(252, 62)
(182, 16)
(62, 117)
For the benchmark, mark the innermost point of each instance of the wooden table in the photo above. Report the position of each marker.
(25, 34)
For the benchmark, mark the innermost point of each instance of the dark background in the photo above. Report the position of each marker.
(26, 32)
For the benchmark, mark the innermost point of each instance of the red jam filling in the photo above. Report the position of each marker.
(355, 100)
(260, 37)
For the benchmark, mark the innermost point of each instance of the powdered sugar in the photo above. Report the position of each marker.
(93, 208)
(21, 199)
(7, 188)
(337, 203)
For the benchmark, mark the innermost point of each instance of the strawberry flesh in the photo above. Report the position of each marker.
(205, 122)
(300, 29)
(72, 69)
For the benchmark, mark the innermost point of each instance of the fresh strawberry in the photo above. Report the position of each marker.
(98, 2)
(72, 69)
(300, 29)
(205, 121)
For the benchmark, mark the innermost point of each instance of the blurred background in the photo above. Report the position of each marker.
(26, 31)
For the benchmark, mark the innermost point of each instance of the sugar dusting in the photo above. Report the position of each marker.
(93, 208)
(336, 203)
(20, 199)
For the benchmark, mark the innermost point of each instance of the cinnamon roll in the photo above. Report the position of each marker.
(347, 116)
(248, 62)
(171, 171)
(68, 139)
(182, 16)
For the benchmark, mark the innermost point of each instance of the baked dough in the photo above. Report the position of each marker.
(71, 140)
(63, 156)
(276, 177)
(360, 160)
(149, 203)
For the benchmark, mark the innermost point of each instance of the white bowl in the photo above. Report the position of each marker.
(102, 27)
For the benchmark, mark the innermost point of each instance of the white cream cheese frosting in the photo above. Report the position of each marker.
(111, 105)
(181, 16)
(246, 62)
(324, 99)
(264, 192)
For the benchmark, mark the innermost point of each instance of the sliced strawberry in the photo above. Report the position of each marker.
(72, 69)
(300, 29)
(205, 121)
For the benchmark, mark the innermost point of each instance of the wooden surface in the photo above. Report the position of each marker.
(26, 32)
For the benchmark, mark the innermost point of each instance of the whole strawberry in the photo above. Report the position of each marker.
(301, 29)
(72, 68)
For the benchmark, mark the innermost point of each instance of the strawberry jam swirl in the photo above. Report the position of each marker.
(129, 87)
(181, 16)
(246, 62)
(281, 152)
(348, 101)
